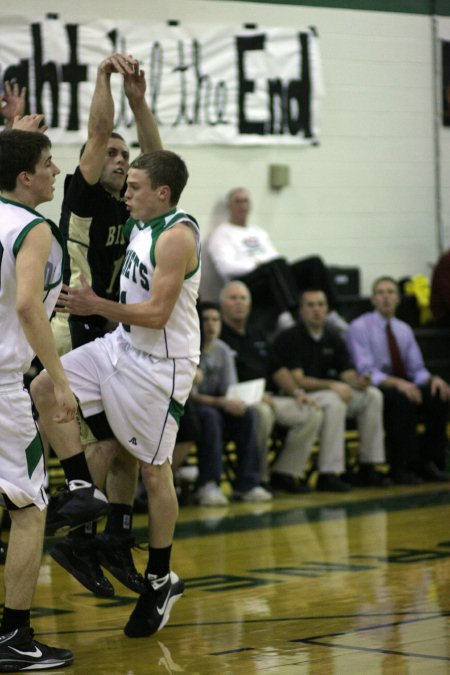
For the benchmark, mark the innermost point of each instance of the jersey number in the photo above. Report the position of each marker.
(117, 266)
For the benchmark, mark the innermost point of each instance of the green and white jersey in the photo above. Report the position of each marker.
(180, 338)
(16, 221)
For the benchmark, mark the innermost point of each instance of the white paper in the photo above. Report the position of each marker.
(250, 392)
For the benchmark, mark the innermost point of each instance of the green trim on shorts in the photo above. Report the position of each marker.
(34, 453)
(176, 410)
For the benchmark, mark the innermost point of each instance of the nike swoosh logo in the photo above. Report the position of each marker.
(163, 608)
(37, 652)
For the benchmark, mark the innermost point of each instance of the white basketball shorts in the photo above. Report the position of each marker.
(22, 469)
(142, 396)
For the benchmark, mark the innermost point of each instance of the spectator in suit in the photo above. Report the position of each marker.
(386, 347)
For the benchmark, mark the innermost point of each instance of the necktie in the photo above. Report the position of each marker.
(398, 368)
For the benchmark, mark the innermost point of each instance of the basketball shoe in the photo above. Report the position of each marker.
(78, 556)
(153, 607)
(78, 503)
(114, 554)
(20, 651)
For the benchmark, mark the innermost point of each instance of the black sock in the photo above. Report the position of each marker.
(158, 561)
(120, 519)
(76, 468)
(86, 531)
(14, 618)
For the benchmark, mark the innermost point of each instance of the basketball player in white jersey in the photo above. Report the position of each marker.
(31, 256)
(141, 374)
(92, 218)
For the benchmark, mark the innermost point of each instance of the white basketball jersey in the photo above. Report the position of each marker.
(16, 221)
(180, 338)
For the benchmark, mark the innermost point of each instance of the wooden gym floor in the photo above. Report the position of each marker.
(318, 584)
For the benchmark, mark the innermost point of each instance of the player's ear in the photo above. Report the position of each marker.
(164, 193)
(23, 179)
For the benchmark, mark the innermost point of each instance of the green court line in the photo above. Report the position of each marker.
(232, 522)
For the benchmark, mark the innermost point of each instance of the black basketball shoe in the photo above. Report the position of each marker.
(20, 651)
(78, 556)
(78, 503)
(152, 610)
(114, 554)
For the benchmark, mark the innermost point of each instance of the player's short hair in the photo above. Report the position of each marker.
(113, 135)
(164, 167)
(19, 151)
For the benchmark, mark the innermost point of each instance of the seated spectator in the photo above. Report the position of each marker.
(386, 347)
(298, 413)
(244, 251)
(223, 419)
(313, 357)
(440, 291)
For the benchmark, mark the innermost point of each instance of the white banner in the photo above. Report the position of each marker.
(205, 83)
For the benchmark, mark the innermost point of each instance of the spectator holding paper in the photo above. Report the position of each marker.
(223, 419)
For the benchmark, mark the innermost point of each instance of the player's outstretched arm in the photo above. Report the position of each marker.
(101, 117)
(147, 128)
